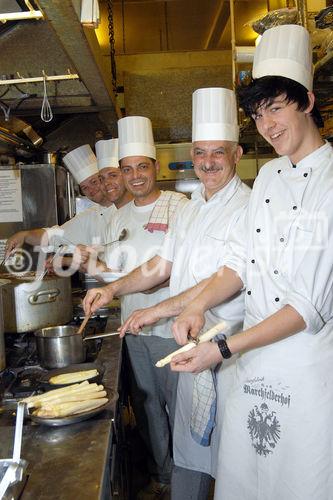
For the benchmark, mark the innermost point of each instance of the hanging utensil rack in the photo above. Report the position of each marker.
(20, 79)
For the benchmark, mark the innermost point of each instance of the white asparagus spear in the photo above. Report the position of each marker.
(49, 397)
(56, 391)
(65, 409)
(73, 398)
(65, 398)
(205, 337)
(77, 389)
(71, 378)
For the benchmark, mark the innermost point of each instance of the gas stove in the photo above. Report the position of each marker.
(22, 376)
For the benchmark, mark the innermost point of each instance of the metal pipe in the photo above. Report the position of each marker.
(233, 43)
(301, 6)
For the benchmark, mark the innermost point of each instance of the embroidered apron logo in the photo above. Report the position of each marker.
(267, 392)
(264, 429)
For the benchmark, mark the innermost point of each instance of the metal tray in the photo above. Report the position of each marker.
(45, 377)
(71, 419)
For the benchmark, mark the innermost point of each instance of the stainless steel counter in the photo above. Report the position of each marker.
(72, 461)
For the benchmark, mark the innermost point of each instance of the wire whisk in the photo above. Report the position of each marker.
(46, 111)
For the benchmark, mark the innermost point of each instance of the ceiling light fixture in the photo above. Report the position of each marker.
(245, 54)
(90, 17)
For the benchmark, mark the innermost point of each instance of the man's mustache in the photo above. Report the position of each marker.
(213, 168)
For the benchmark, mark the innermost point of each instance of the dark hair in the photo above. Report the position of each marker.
(264, 90)
(151, 159)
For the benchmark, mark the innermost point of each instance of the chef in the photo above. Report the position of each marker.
(192, 251)
(276, 440)
(110, 174)
(82, 164)
(87, 227)
(195, 247)
(147, 219)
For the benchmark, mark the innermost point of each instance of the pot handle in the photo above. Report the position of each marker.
(100, 336)
(44, 297)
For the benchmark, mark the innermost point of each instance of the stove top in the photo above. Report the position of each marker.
(21, 382)
(22, 376)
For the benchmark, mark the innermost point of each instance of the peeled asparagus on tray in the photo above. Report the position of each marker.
(66, 401)
(71, 378)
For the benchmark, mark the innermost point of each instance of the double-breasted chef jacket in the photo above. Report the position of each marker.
(277, 435)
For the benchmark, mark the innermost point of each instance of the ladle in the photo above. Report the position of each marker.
(123, 235)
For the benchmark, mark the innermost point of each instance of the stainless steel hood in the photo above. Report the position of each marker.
(55, 45)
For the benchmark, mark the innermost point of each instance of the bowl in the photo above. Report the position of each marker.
(108, 277)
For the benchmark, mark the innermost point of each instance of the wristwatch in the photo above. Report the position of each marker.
(224, 349)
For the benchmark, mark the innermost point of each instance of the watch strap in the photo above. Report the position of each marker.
(224, 349)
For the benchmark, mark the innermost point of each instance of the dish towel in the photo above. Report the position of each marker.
(203, 411)
(163, 212)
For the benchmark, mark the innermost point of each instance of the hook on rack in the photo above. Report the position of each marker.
(17, 101)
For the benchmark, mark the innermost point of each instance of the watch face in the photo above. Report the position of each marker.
(224, 349)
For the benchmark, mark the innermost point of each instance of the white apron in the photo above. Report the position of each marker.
(276, 441)
(196, 246)
(277, 434)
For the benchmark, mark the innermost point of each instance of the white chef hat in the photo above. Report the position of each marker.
(107, 153)
(136, 137)
(214, 115)
(81, 162)
(285, 51)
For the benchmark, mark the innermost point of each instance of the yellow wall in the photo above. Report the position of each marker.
(314, 5)
(170, 60)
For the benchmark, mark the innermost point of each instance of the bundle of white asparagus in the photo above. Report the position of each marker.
(66, 401)
(73, 377)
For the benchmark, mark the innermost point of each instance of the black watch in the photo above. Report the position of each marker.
(224, 349)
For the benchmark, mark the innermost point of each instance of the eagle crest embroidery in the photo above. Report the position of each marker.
(264, 429)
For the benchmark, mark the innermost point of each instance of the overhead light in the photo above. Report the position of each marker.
(90, 13)
(245, 54)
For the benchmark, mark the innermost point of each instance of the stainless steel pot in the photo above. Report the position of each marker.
(29, 305)
(61, 346)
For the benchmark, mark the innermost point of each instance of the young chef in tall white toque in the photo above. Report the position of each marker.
(277, 436)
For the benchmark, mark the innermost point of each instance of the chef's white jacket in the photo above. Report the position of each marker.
(277, 436)
(139, 247)
(86, 228)
(196, 246)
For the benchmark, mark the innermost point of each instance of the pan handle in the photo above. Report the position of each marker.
(43, 297)
(100, 336)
